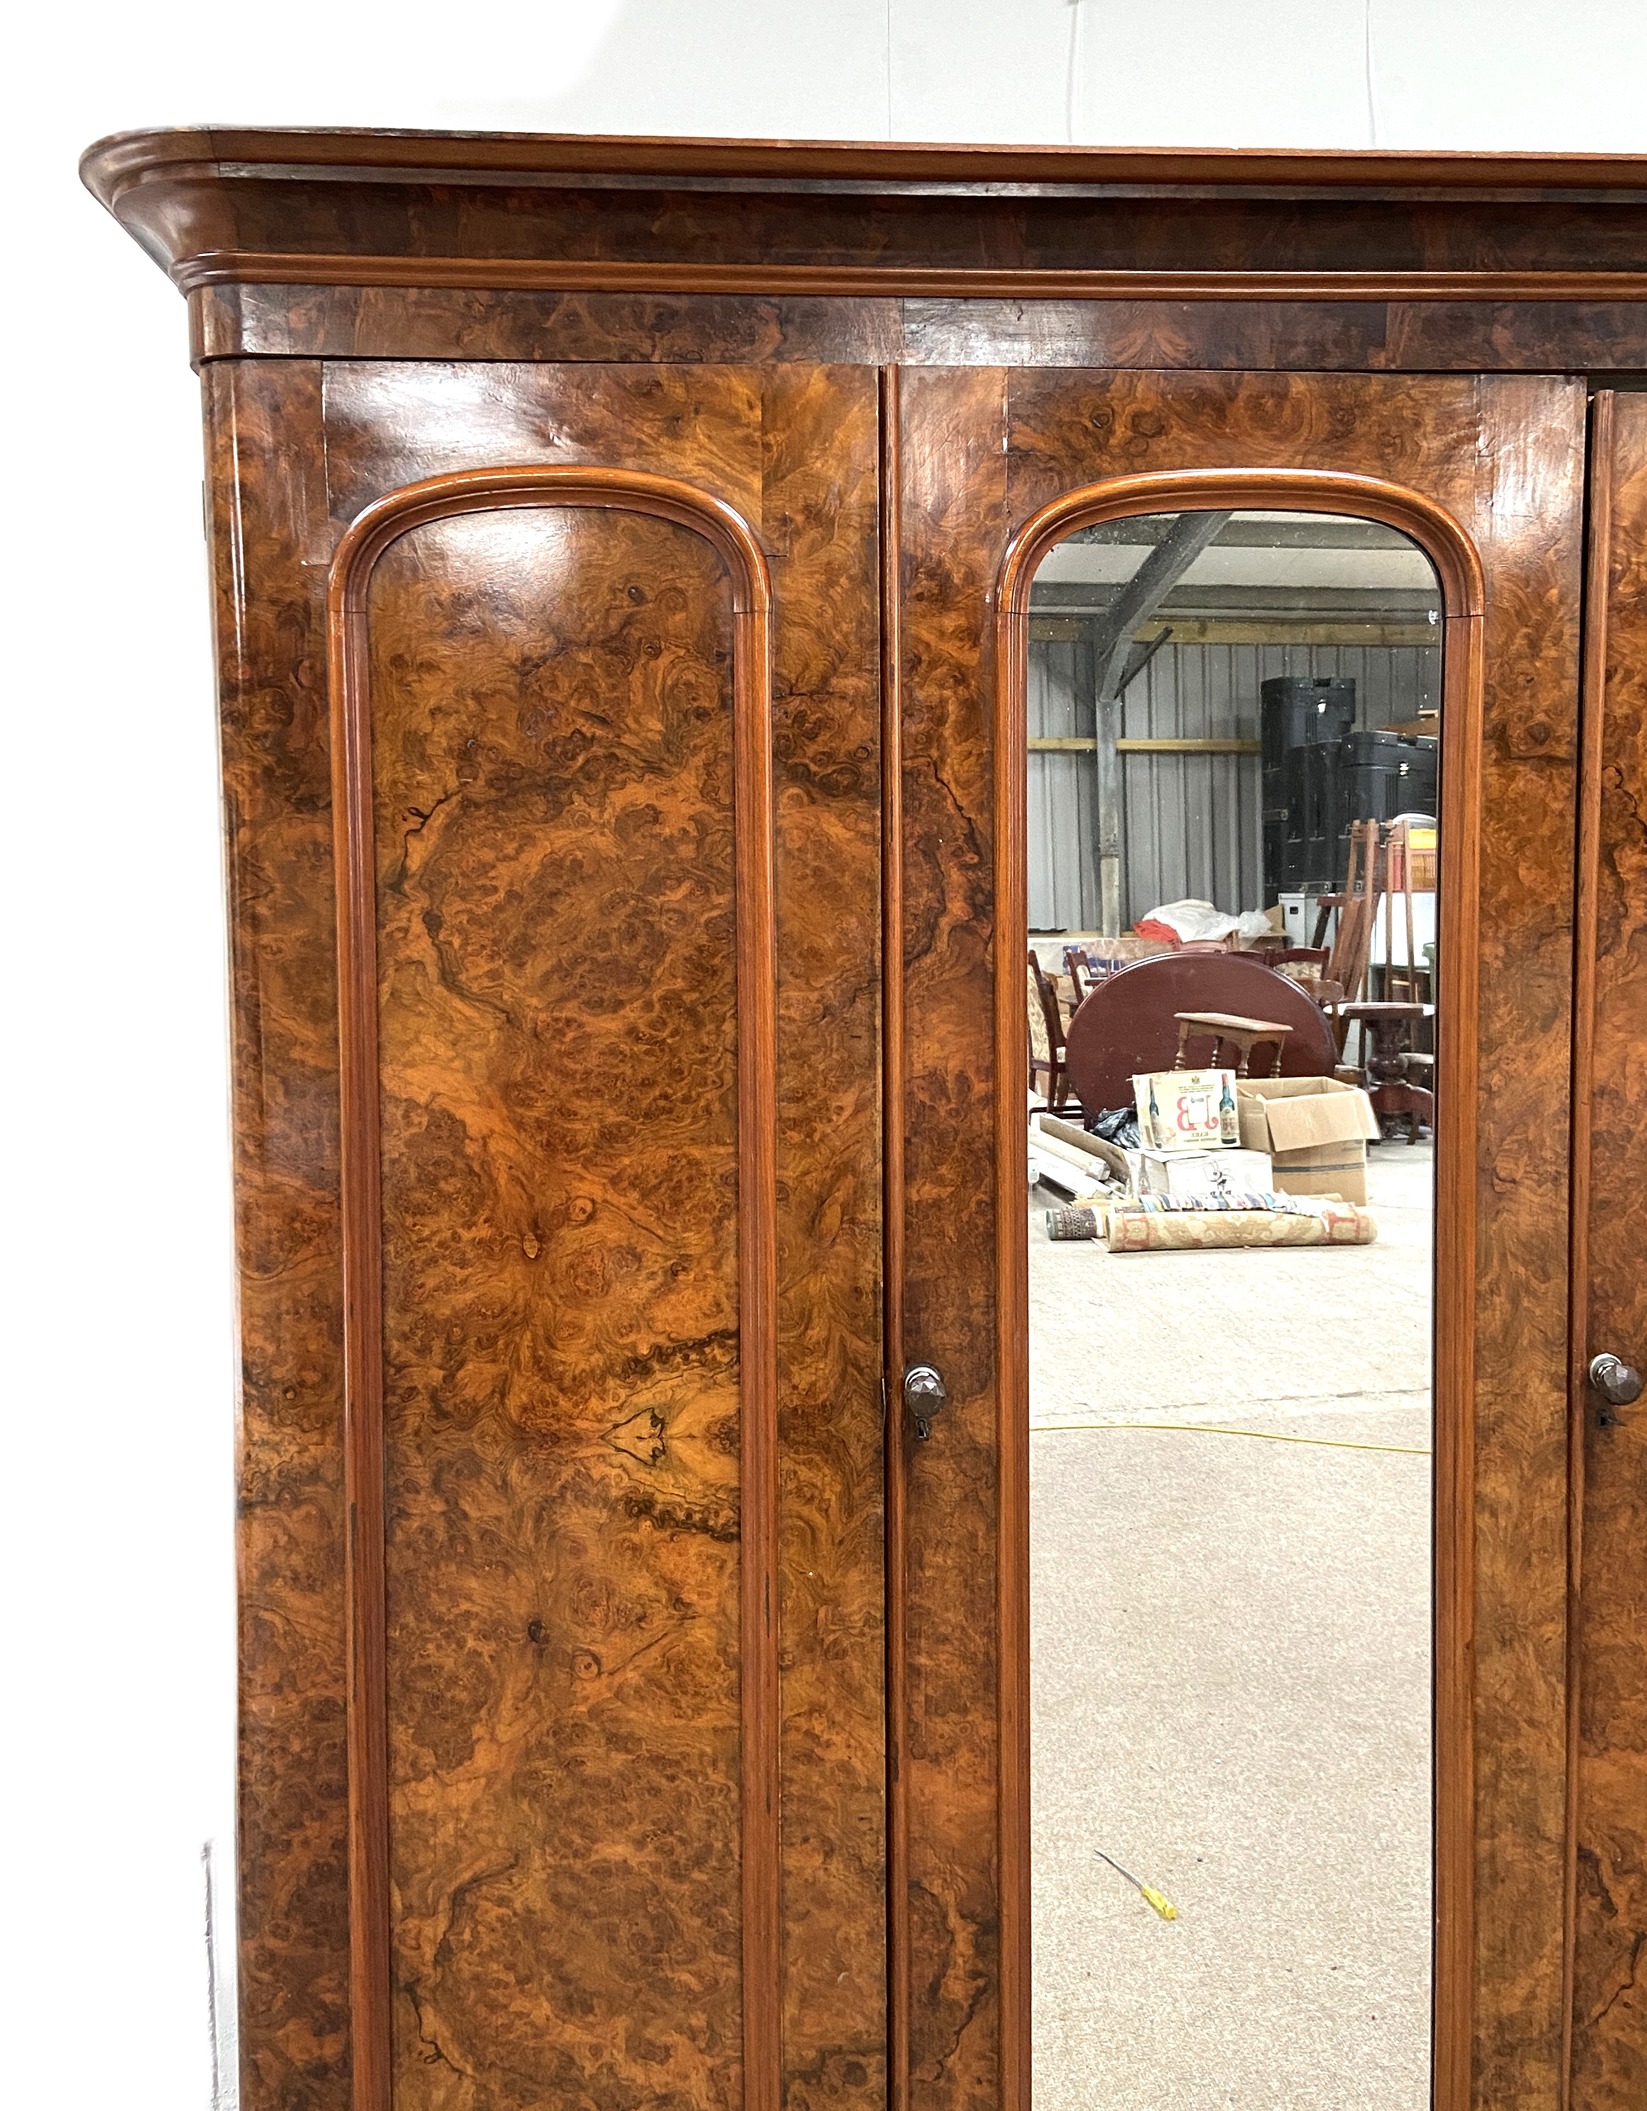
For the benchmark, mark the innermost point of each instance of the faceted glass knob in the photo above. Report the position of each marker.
(924, 1394)
(1615, 1380)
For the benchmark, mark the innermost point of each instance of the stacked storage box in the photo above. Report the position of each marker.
(1320, 774)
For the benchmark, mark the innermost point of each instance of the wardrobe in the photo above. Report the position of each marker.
(621, 553)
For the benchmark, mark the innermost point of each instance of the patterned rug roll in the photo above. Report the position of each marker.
(1133, 1229)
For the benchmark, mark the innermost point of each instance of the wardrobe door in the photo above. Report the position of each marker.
(1486, 476)
(1609, 2022)
(556, 991)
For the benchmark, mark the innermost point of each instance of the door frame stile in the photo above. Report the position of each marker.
(1459, 568)
(1012, 1638)
(893, 1114)
(1592, 714)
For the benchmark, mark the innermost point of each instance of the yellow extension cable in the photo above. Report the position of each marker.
(1218, 1429)
(1151, 1897)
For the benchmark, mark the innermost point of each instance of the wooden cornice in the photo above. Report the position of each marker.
(580, 212)
(365, 156)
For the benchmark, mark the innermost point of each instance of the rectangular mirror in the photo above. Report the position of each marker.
(1233, 862)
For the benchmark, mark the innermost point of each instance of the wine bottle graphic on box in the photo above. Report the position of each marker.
(1185, 1110)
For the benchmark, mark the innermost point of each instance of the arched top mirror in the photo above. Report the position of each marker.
(1232, 851)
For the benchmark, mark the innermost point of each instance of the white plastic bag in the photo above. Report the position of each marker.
(1199, 921)
(1193, 921)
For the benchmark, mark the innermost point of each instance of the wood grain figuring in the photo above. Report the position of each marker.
(270, 540)
(1592, 717)
(578, 1588)
(953, 496)
(819, 501)
(1502, 458)
(349, 322)
(1458, 569)
(794, 449)
(1527, 478)
(1608, 2052)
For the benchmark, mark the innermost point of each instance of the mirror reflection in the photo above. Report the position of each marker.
(1233, 848)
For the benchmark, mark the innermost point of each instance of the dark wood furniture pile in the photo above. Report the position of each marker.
(1132, 1021)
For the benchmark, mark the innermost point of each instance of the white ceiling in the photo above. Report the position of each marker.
(1108, 563)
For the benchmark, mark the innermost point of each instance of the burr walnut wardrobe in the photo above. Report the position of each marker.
(621, 552)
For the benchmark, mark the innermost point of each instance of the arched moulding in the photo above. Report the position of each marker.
(358, 552)
(1458, 568)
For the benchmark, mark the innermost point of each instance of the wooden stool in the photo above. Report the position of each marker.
(1243, 1035)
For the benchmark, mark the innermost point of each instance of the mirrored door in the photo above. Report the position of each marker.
(1239, 1564)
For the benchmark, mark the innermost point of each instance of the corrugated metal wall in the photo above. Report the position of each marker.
(1063, 887)
(1193, 821)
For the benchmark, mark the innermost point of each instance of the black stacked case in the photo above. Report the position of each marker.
(1320, 775)
(1302, 718)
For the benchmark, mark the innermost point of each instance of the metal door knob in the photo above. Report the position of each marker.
(1615, 1380)
(924, 1394)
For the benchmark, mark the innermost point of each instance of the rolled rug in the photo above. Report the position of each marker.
(1135, 1228)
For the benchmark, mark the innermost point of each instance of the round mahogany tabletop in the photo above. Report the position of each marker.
(1129, 1022)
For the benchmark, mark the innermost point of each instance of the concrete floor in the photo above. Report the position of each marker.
(1231, 1669)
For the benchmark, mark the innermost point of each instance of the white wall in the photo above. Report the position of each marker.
(117, 1460)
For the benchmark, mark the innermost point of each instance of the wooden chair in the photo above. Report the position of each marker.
(1081, 969)
(1307, 966)
(1406, 981)
(1351, 952)
(1046, 1038)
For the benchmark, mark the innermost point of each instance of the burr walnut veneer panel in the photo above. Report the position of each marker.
(1609, 2016)
(271, 545)
(567, 1406)
(404, 322)
(543, 719)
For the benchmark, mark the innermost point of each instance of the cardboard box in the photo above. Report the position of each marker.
(1186, 1106)
(1316, 1130)
(1423, 843)
(1277, 919)
(1186, 1173)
